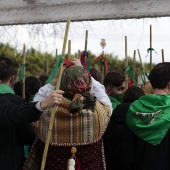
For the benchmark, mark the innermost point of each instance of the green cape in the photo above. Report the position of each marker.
(149, 117)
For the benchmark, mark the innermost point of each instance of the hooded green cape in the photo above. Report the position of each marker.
(149, 117)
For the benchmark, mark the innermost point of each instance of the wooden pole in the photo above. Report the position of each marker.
(126, 64)
(142, 66)
(55, 108)
(86, 41)
(162, 55)
(23, 81)
(150, 48)
(134, 61)
(102, 68)
(56, 53)
(79, 54)
(69, 50)
(76, 55)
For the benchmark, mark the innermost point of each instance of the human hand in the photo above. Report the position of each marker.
(53, 99)
(76, 62)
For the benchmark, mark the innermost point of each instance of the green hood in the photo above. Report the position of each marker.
(149, 117)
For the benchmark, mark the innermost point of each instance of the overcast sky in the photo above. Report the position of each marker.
(114, 31)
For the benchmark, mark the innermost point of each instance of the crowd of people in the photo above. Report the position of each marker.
(98, 125)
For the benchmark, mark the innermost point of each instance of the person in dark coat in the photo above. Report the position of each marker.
(148, 119)
(116, 135)
(15, 129)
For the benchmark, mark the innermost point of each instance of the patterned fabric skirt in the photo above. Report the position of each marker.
(91, 156)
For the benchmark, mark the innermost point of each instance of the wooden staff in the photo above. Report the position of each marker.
(150, 48)
(79, 54)
(134, 61)
(56, 53)
(23, 81)
(69, 50)
(102, 68)
(54, 108)
(76, 55)
(86, 41)
(162, 55)
(126, 64)
(142, 66)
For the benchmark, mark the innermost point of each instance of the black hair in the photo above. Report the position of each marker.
(7, 69)
(114, 79)
(96, 74)
(160, 75)
(43, 78)
(132, 94)
(32, 85)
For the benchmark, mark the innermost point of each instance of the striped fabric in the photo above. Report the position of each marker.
(83, 130)
(70, 129)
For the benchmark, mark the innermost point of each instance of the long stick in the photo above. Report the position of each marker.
(69, 50)
(78, 54)
(134, 61)
(102, 68)
(142, 66)
(23, 81)
(86, 41)
(126, 64)
(54, 108)
(162, 55)
(150, 48)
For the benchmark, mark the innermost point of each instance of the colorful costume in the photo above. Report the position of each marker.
(80, 122)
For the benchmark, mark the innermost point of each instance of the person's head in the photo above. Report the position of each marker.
(114, 83)
(132, 94)
(160, 76)
(8, 71)
(43, 78)
(96, 74)
(75, 80)
(32, 85)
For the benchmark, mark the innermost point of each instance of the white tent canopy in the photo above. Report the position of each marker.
(50, 11)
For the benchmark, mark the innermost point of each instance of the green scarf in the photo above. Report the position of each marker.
(114, 102)
(6, 89)
(149, 117)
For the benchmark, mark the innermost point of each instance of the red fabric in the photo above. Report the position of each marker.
(89, 156)
(130, 83)
(104, 61)
(66, 62)
(77, 167)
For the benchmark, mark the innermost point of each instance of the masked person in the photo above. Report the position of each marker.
(114, 83)
(148, 118)
(79, 122)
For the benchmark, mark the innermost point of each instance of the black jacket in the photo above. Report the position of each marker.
(12, 118)
(125, 151)
(114, 138)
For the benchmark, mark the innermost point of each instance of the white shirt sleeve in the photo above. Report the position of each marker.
(43, 92)
(98, 90)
